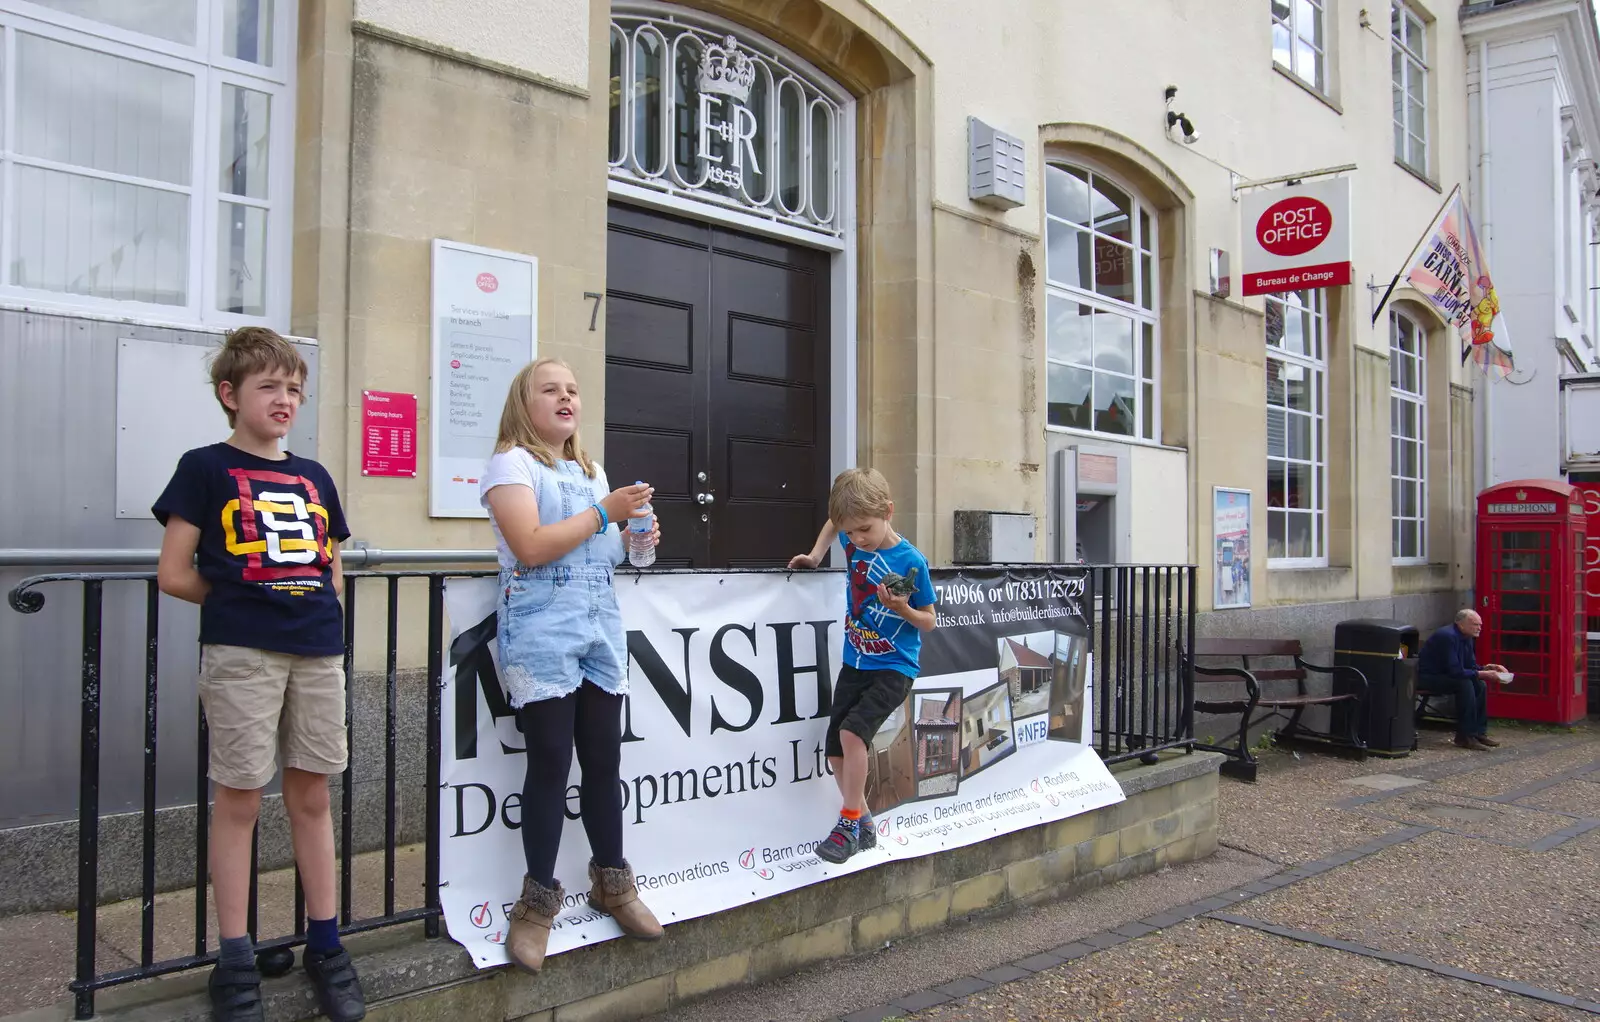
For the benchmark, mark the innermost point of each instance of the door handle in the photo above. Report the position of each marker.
(705, 498)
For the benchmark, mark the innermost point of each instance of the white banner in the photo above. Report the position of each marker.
(726, 789)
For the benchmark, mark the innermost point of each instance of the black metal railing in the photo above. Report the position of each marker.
(1141, 615)
(29, 598)
(1144, 693)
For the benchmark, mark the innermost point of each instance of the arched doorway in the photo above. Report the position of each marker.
(729, 280)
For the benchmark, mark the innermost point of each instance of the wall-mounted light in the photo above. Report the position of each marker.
(1180, 121)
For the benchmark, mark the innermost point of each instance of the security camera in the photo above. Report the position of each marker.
(1184, 125)
(1179, 120)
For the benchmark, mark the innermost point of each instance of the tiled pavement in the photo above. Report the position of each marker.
(1443, 885)
(1457, 831)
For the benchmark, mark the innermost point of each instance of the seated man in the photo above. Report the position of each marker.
(1448, 666)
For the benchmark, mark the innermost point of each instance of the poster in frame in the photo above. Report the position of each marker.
(1230, 548)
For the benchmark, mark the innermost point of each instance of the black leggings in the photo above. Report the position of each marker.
(591, 719)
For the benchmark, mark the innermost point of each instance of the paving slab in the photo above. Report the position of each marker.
(1504, 912)
(836, 989)
(37, 972)
(1224, 973)
(1581, 797)
(1471, 817)
(1288, 815)
(120, 924)
(1491, 780)
(1383, 782)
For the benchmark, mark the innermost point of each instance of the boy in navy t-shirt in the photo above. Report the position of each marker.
(882, 639)
(266, 526)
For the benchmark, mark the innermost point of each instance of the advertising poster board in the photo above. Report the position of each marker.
(1230, 548)
(485, 306)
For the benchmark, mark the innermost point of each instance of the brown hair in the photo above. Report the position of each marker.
(859, 493)
(247, 351)
(516, 429)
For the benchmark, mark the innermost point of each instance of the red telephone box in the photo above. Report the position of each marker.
(1530, 593)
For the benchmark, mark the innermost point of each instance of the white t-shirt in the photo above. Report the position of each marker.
(517, 467)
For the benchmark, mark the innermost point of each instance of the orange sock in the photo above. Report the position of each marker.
(850, 814)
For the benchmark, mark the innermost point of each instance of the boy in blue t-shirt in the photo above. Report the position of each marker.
(252, 536)
(883, 629)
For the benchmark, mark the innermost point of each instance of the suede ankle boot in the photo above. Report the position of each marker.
(531, 919)
(615, 893)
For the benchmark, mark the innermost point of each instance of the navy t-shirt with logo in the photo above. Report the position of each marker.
(268, 530)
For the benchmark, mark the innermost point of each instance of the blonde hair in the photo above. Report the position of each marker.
(859, 493)
(247, 351)
(516, 429)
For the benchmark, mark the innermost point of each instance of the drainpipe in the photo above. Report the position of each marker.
(1485, 209)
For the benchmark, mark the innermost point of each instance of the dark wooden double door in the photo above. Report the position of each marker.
(717, 354)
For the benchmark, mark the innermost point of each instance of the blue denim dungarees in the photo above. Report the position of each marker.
(558, 622)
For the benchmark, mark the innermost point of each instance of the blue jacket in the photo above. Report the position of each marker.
(1448, 653)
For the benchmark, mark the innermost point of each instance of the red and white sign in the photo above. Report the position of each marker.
(388, 433)
(1296, 238)
(487, 283)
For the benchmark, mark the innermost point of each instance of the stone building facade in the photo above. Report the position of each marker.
(832, 294)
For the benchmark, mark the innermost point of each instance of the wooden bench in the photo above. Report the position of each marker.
(1243, 763)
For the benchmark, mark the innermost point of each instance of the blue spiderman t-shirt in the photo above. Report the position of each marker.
(875, 637)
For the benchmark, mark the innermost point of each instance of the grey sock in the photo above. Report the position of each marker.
(238, 953)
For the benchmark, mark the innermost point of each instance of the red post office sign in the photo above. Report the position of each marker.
(1296, 238)
(388, 433)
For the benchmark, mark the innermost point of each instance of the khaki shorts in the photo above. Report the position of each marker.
(263, 707)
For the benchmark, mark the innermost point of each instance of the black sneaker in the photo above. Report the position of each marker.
(866, 834)
(843, 842)
(235, 995)
(338, 987)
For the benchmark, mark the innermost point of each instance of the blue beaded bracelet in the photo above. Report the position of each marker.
(604, 519)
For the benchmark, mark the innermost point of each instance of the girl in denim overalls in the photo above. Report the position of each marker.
(563, 656)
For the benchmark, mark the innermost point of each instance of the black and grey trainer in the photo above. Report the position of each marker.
(866, 833)
(338, 987)
(842, 842)
(235, 995)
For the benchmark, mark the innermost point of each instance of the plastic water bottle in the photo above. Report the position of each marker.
(642, 552)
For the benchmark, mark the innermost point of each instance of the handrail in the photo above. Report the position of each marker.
(355, 557)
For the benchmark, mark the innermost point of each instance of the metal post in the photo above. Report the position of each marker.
(147, 920)
(89, 800)
(1167, 651)
(435, 683)
(347, 784)
(1103, 692)
(390, 741)
(1188, 674)
(202, 828)
(1147, 717)
(252, 911)
(1124, 655)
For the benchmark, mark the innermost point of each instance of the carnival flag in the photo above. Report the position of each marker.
(1451, 270)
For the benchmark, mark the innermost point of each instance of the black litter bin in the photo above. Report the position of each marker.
(1385, 653)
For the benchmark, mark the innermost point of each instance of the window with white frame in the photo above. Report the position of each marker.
(146, 156)
(1408, 67)
(1408, 438)
(1298, 44)
(1297, 432)
(1100, 270)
